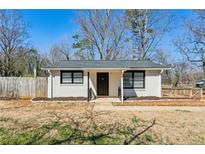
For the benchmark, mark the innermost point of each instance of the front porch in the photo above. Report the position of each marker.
(105, 85)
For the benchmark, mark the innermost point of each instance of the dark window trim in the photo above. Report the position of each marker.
(72, 77)
(132, 87)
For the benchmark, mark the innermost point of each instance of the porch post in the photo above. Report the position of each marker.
(88, 78)
(122, 90)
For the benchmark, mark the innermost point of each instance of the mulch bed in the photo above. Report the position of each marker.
(157, 101)
(151, 98)
(60, 99)
(8, 98)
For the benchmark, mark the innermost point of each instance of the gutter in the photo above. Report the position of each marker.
(106, 68)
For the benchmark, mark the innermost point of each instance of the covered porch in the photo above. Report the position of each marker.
(105, 85)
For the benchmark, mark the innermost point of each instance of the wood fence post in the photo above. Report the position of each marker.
(201, 93)
(161, 92)
(175, 92)
(190, 93)
(35, 82)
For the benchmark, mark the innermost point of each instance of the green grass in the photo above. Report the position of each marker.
(59, 133)
(37, 136)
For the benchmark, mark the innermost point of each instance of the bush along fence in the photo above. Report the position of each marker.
(23, 87)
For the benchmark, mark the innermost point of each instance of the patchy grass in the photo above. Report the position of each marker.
(183, 110)
(77, 123)
(65, 123)
(59, 133)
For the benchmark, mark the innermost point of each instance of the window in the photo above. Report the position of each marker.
(134, 79)
(127, 80)
(71, 77)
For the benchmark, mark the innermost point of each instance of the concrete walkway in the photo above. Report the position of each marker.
(109, 107)
(105, 100)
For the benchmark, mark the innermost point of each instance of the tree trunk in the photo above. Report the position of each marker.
(144, 35)
(203, 69)
(107, 54)
(133, 47)
(101, 52)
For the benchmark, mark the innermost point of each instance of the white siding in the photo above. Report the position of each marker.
(152, 85)
(114, 83)
(67, 90)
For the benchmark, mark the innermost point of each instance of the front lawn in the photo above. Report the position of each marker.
(77, 123)
(67, 123)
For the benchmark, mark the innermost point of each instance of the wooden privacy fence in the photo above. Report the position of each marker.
(23, 87)
(183, 92)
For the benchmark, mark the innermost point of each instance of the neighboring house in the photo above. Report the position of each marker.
(99, 78)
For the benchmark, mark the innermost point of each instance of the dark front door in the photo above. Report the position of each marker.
(102, 84)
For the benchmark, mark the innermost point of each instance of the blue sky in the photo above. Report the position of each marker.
(51, 26)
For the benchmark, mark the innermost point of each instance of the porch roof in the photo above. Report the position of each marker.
(110, 64)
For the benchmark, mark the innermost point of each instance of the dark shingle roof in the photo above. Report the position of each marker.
(105, 64)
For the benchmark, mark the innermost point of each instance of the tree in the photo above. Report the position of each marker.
(60, 51)
(84, 48)
(13, 39)
(31, 61)
(147, 28)
(192, 44)
(101, 34)
(181, 71)
(164, 58)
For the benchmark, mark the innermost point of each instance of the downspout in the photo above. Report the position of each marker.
(51, 82)
(88, 87)
(160, 89)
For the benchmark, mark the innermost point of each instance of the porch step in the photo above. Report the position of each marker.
(103, 103)
(106, 100)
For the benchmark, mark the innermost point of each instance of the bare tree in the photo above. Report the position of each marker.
(192, 44)
(181, 71)
(161, 56)
(13, 39)
(147, 27)
(102, 34)
(60, 51)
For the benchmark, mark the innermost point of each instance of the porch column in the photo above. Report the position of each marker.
(88, 78)
(122, 90)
